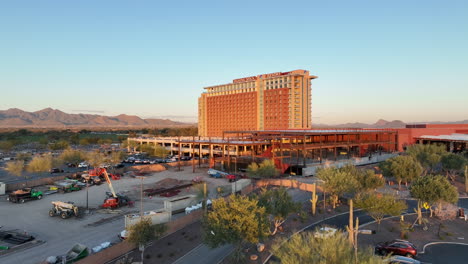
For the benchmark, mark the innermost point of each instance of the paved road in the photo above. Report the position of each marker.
(444, 254)
(203, 254)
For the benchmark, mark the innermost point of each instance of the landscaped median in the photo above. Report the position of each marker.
(118, 251)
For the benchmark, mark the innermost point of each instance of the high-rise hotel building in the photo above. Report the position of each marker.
(273, 101)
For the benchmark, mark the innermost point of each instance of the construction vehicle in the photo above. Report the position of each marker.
(87, 178)
(113, 200)
(69, 185)
(99, 172)
(77, 252)
(65, 210)
(20, 196)
(216, 173)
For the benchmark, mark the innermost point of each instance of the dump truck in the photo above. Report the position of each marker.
(65, 210)
(20, 196)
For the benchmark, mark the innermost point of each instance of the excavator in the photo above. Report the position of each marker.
(113, 200)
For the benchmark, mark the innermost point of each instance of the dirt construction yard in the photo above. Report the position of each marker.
(59, 235)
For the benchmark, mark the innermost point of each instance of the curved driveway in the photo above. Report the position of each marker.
(212, 256)
(445, 253)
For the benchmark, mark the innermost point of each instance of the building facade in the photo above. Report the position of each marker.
(280, 100)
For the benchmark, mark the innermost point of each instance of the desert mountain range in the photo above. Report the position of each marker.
(53, 118)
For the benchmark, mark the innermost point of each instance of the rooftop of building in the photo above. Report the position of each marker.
(452, 137)
(264, 77)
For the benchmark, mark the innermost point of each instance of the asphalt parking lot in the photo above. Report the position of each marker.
(91, 230)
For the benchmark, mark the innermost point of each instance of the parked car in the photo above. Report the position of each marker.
(71, 165)
(123, 235)
(325, 231)
(397, 247)
(55, 170)
(119, 165)
(401, 260)
(186, 158)
(130, 160)
(83, 165)
(232, 177)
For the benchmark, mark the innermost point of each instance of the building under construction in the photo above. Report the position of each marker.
(291, 150)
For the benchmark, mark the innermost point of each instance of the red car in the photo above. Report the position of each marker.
(397, 247)
(231, 177)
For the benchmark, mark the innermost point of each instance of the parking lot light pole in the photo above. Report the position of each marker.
(87, 193)
(141, 195)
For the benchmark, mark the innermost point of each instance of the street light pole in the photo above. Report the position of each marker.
(141, 196)
(87, 193)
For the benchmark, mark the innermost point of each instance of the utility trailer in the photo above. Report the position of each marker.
(15, 237)
(68, 185)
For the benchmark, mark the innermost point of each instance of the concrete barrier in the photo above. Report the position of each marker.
(288, 183)
(178, 204)
(157, 217)
(240, 185)
(312, 169)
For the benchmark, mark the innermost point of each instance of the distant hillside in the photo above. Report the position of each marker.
(53, 118)
(379, 124)
(383, 124)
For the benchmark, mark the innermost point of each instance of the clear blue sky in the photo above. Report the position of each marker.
(404, 60)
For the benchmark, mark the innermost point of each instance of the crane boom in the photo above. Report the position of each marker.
(109, 182)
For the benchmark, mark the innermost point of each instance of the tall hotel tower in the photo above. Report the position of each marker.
(273, 101)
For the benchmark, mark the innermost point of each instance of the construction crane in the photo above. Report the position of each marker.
(113, 199)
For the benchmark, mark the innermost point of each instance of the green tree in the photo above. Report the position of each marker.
(15, 167)
(236, 220)
(72, 156)
(278, 204)
(6, 145)
(380, 205)
(337, 182)
(95, 158)
(160, 151)
(42, 164)
(266, 169)
(433, 189)
(466, 178)
(366, 179)
(61, 144)
(84, 141)
(143, 232)
(23, 156)
(428, 155)
(116, 157)
(304, 247)
(452, 163)
(402, 168)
